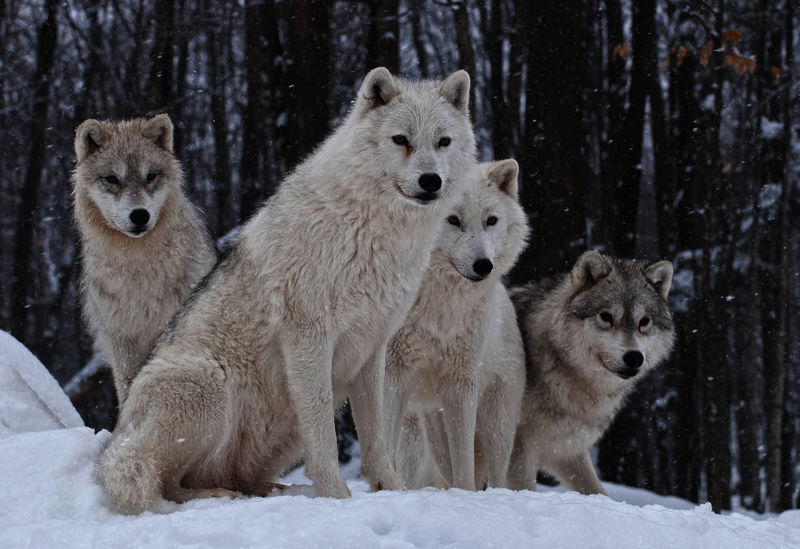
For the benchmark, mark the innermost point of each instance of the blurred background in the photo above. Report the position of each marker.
(649, 128)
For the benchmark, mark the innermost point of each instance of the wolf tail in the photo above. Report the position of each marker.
(129, 476)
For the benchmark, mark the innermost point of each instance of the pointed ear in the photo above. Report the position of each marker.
(159, 130)
(590, 267)
(660, 275)
(89, 137)
(455, 89)
(377, 89)
(503, 173)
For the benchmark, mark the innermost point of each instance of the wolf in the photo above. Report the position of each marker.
(297, 314)
(590, 336)
(144, 245)
(460, 350)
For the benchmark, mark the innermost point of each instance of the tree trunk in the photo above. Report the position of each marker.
(47, 37)
(466, 53)
(553, 165)
(158, 93)
(384, 34)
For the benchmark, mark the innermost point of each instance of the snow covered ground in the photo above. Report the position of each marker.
(48, 499)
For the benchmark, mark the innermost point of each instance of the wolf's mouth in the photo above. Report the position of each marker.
(423, 199)
(627, 373)
(137, 232)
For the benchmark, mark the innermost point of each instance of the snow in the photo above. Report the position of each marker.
(49, 499)
(30, 399)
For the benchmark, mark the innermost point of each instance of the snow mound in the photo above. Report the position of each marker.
(49, 499)
(31, 399)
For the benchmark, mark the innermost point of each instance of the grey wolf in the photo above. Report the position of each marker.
(144, 245)
(590, 336)
(296, 317)
(459, 357)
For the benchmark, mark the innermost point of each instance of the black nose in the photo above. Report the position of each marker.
(140, 217)
(482, 267)
(430, 182)
(633, 359)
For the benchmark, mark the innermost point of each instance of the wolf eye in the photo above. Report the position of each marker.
(400, 140)
(453, 220)
(605, 316)
(112, 179)
(444, 141)
(151, 177)
(644, 322)
(491, 220)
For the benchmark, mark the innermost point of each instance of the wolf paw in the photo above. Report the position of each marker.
(332, 486)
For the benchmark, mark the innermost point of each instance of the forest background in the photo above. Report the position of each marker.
(649, 128)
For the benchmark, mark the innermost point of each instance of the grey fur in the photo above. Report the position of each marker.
(134, 277)
(577, 376)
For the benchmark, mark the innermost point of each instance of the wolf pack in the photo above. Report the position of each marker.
(374, 274)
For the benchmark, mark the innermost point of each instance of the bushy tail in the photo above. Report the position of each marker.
(129, 476)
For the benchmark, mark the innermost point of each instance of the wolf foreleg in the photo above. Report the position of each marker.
(366, 401)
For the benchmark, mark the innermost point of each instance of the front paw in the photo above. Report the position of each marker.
(332, 486)
(387, 480)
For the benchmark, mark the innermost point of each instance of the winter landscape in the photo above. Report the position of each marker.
(649, 129)
(49, 499)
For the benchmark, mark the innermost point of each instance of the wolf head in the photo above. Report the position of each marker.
(127, 170)
(419, 131)
(486, 230)
(618, 319)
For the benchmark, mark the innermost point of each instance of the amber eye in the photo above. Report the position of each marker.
(444, 141)
(606, 317)
(400, 140)
(453, 220)
(112, 179)
(491, 220)
(151, 177)
(644, 322)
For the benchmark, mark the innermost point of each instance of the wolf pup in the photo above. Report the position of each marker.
(460, 350)
(144, 244)
(589, 337)
(296, 317)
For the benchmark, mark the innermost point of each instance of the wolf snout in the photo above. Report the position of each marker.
(482, 267)
(430, 182)
(139, 217)
(633, 361)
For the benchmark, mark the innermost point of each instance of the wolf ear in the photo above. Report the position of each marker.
(89, 137)
(660, 275)
(590, 267)
(377, 89)
(503, 173)
(159, 130)
(455, 89)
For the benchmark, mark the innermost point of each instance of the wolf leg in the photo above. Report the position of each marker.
(578, 474)
(522, 467)
(460, 409)
(366, 401)
(308, 358)
(494, 433)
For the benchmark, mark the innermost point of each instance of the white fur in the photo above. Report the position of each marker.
(296, 318)
(459, 357)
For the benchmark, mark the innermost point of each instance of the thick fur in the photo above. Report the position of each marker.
(459, 356)
(589, 338)
(297, 316)
(135, 276)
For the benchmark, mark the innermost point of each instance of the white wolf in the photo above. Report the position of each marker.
(460, 350)
(589, 336)
(144, 244)
(297, 315)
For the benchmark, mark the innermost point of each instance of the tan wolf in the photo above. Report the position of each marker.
(459, 357)
(589, 337)
(144, 245)
(296, 317)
